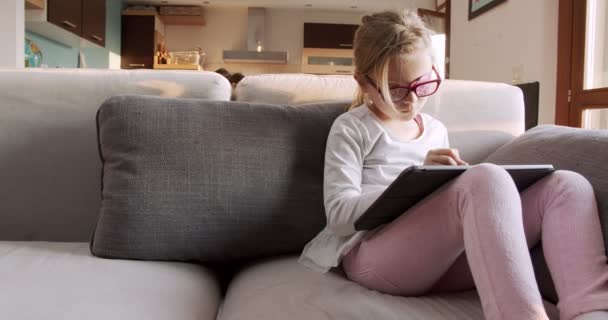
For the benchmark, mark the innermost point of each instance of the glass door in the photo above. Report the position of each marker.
(589, 67)
(439, 23)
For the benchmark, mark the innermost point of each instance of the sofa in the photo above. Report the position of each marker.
(50, 202)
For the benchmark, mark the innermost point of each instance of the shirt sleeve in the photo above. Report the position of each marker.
(446, 139)
(343, 196)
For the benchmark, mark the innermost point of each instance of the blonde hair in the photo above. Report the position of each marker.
(382, 36)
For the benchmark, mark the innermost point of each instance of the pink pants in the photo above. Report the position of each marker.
(482, 213)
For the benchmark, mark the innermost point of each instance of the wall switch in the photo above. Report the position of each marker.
(517, 74)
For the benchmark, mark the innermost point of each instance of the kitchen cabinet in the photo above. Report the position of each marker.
(141, 35)
(34, 4)
(327, 61)
(182, 15)
(329, 35)
(69, 21)
(328, 48)
(94, 21)
(66, 14)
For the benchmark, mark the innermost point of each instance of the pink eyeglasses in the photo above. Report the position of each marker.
(421, 89)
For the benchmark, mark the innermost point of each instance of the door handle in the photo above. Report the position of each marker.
(96, 37)
(69, 24)
(347, 45)
(136, 65)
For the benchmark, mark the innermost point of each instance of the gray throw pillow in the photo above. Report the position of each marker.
(579, 150)
(195, 180)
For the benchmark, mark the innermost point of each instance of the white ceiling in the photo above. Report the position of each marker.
(343, 5)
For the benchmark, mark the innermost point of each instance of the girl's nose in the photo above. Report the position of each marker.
(411, 97)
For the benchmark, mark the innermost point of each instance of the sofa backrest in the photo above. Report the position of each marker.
(49, 162)
(480, 116)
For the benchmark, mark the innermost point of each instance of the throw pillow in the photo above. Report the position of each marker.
(209, 181)
(579, 150)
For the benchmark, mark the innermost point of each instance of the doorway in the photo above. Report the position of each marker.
(582, 73)
(439, 21)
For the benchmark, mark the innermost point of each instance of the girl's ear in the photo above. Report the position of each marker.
(359, 80)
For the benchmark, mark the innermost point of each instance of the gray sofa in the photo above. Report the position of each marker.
(50, 200)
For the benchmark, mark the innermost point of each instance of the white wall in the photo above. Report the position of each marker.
(12, 33)
(595, 55)
(518, 35)
(605, 44)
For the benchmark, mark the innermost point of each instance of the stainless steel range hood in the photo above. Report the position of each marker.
(255, 53)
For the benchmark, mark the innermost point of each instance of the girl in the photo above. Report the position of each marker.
(474, 232)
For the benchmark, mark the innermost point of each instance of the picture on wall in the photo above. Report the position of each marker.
(477, 7)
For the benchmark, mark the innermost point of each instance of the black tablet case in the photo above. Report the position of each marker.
(417, 182)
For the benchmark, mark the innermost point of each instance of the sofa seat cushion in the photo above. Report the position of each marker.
(42, 280)
(283, 289)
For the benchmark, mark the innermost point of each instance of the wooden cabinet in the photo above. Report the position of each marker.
(329, 35)
(328, 48)
(138, 41)
(94, 21)
(34, 4)
(66, 14)
(82, 19)
(327, 61)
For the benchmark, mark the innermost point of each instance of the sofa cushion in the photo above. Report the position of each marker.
(283, 289)
(42, 280)
(49, 166)
(579, 150)
(480, 116)
(295, 89)
(209, 181)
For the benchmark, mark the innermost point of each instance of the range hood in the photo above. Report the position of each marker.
(255, 53)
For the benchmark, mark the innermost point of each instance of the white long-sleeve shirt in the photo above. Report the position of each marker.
(362, 159)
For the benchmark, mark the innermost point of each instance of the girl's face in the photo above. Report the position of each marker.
(402, 72)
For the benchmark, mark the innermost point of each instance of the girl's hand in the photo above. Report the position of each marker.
(446, 157)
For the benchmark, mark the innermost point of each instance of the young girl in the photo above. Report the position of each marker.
(474, 232)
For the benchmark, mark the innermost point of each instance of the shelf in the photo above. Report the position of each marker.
(139, 13)
(34, 4)
(183, 20)
(177, 67)
(169, 19)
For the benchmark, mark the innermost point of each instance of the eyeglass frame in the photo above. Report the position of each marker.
(410, 88)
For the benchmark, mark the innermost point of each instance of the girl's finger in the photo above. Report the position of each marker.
(443, 160)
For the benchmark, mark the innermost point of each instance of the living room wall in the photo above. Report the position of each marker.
(517, 37)
(11, 33)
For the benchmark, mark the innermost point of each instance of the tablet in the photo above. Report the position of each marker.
(417, 182)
